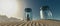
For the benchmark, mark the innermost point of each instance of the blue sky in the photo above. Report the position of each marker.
(36, 4)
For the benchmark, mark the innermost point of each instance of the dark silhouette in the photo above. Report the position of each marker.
(28, 17)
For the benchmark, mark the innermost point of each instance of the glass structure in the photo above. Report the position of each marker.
(45, 12)
(28, 14)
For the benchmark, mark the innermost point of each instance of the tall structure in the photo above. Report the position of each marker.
(28, 14)
(45, 12)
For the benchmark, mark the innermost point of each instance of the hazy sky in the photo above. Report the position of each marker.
(12, 8)
(16, 8)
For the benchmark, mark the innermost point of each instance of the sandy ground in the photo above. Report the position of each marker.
(32, 23)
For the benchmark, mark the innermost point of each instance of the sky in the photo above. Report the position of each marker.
(36, 4)
(16, 8)
(12, 8)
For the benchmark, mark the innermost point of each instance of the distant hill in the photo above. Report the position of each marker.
(54, 20)
(4, 18)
